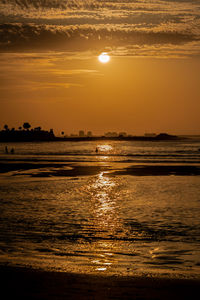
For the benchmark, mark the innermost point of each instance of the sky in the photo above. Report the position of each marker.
(50, 75)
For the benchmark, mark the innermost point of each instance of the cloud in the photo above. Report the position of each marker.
(91, 25)
(47, 71)
(63, 9)
(17, 37)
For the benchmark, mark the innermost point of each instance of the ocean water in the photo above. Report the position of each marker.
(65, 207)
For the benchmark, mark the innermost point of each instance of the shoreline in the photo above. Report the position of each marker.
(37, 284)
(9, 137)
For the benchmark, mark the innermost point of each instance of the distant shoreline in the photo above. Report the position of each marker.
(159, 137)
(121, 138)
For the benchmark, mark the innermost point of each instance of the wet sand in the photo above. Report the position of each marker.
(35, 284)
(59, 169)
(159, 170)
(52, 169)
(18, 166)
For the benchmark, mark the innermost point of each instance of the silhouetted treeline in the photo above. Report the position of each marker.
(25, 134)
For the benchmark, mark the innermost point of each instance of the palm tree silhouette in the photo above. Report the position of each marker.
(26, 125)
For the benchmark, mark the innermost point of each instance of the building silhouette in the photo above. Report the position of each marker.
(81, 133)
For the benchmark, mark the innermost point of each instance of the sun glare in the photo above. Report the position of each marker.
(104, 57)
(105, 147)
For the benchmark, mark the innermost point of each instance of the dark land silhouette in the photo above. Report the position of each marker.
(26, 134)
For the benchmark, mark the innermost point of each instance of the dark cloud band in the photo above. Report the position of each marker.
(81, 25)
(16, 37)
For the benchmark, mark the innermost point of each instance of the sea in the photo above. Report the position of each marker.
(102, 207)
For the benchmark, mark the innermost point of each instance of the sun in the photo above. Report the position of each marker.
(104, 57)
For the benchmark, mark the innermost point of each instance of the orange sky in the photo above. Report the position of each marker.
(133, 94)
(51, 77)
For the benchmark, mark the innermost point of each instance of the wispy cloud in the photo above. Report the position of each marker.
(82, 38)
(48, 71)
(82, 25)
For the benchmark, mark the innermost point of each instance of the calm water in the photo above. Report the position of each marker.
(97, 223)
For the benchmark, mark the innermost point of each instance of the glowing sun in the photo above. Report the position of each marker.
(104, 57)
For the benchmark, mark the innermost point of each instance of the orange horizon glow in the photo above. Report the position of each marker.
(135, 95)
(102, 67)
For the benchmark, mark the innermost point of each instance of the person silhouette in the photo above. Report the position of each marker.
(6, 149)
(96, 150)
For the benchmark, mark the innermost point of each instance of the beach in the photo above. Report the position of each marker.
(34, 284)
(122, 223)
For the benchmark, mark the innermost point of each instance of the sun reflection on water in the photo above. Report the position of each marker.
(105, 148)
(104, 151)
(105, 259)
(104, 199)
(104, 191)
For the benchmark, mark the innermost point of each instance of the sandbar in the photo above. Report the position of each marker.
(73, 170)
